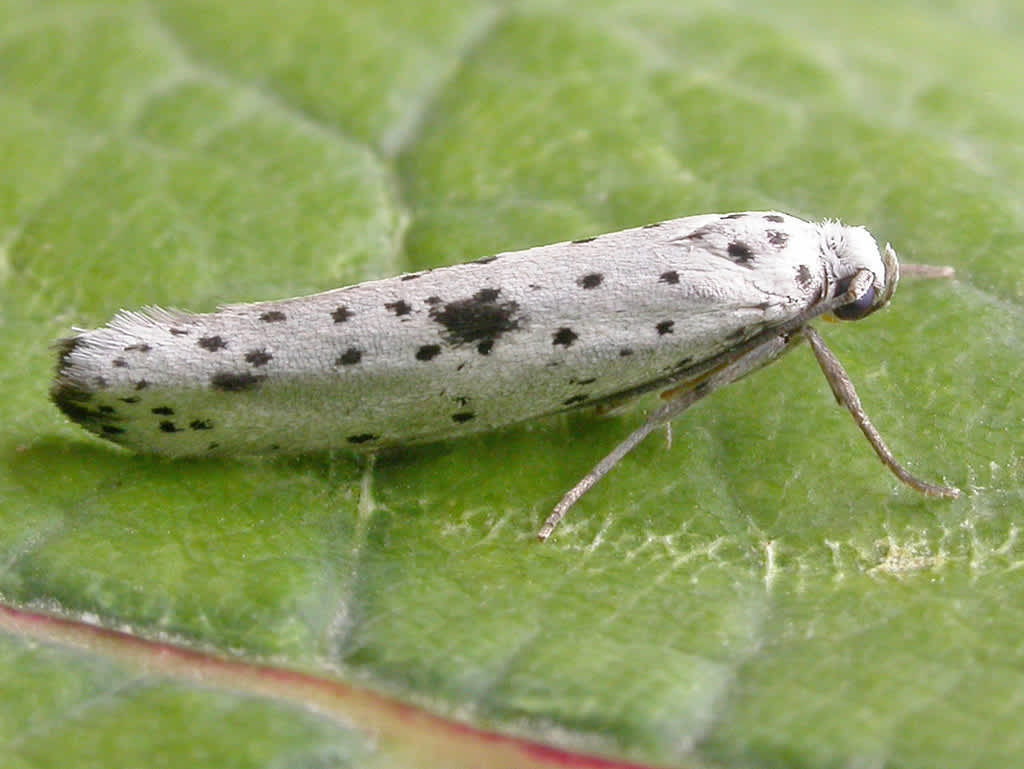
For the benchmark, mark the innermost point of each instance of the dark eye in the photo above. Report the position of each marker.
(854, 310)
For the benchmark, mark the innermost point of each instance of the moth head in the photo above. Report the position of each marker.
(860, 263)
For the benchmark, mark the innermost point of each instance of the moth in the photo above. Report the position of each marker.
(684, 306)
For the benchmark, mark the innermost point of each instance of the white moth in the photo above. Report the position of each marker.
(685, 306)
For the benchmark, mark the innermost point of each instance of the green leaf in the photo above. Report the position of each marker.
(759, 593)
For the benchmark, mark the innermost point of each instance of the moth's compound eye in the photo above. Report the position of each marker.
(858, 309)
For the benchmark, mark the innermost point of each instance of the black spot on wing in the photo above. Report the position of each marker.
(258, 358)
(671, 277)
(178, 331)
(411, 276)
(234, 382)
(166, 411)
(652, 225)
(665, 327)
(119, 363)
(484, 260)
(399, 308)
(428, 352)
(484, 347)
(700, 233)
(564, 337)
(143, 347)
(803, 276)
(487, 294)
(740, 253)
(481, 316)
(625, 352)
(273, 316)
(774, 218)
(591, 280)
(212, 343)
(350, 357)
(735, 216)
(168, 426)
(777, 239)
(341, 313)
